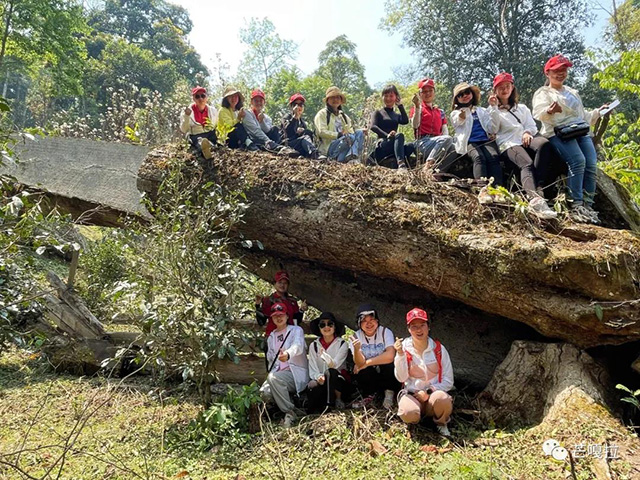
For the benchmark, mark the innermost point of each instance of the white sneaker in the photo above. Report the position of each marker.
(484, 197)
(538, 206)
(206, 146)
(443, 430)
(580, 214)
(289, 419)
(388, 399)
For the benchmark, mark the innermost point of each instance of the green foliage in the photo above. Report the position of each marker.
(225, 423)
(633, 398)
(267, 53)
(470, 40)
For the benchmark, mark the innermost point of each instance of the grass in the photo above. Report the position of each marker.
(130, 425)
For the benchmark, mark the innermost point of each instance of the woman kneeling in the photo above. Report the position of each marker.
(424, 366)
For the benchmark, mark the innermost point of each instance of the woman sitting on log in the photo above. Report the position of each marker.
(259, 126)
(330, 381)
(516, 135)
(199, 122)
(338, 140)
(475, 127)
(294, 128)
(424, 367)
(373, 353)
(384, 123)
(230, 129)
(566, 124)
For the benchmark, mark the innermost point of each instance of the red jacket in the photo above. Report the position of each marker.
(291, 303)
(431, 121)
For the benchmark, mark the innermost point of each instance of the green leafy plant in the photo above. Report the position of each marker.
(633, 398)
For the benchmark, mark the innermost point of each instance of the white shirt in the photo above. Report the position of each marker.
(510, 130)
(375, 345)
(320, 360)
(427, 368)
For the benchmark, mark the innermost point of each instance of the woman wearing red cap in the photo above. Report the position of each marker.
(517, 141)
(258, 124)
(296, 133)
(566, 124)
(424, 367)
(430, 125)
(199, 122)
(281, 295)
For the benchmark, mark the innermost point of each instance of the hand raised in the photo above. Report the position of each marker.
(355, 342)
(283, 356)
(398, 346)
(493, 100)
(416, 100)
(554, 108)
(303, 306)
(187, 111)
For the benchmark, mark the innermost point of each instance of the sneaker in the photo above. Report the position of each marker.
(322, 157)
(350, 158)
(289, 419)
(252, 147)
(363, 402)
(538, 206)
(443, 430)
(340, 404)
(484, 197)
(580, 214)
(206, 146)
(387, 403)
(595, 219)
(402, 165)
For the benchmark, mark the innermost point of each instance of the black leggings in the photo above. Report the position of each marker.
(376, 379)
(237, 137)
(324, 395)
(303, 145)
(394, 146)
(210, 135)
(486, 161)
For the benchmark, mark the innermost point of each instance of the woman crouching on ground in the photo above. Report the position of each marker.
(424, 366)
(330, 382)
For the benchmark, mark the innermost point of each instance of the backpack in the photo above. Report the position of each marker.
(438, 353)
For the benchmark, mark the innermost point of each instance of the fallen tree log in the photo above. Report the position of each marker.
(407, 229)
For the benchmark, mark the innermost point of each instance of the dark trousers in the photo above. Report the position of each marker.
(210, 135)
(274, 134)
(237, 137)
(486, 161)
(376, 379)
(303, 145)
(322, 396)
(394, 146)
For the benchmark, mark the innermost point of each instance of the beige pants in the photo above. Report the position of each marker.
(439, 406)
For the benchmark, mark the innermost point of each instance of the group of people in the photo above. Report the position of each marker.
(371, 364)
(503, 132)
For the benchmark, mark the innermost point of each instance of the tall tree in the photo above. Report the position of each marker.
(267, 52)
(472, 40)
(339, 63)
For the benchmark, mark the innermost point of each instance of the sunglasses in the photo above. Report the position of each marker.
(463, 93)
(200, 95)
(326, 324)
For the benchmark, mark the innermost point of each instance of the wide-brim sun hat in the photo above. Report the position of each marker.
(232, 90)
(314, 326)
(461, 87)
(335, 92)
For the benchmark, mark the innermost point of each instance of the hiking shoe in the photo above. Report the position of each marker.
(350, 158)
(363, 402)
(289, 419)
(206, 146)
(387, 403)
(595, 219)
(340, 404)
(443, 430)
(538, 206)
(252, 147)
(580, 214)
(484, 197)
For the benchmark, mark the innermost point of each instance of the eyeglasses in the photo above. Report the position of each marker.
(298, 104)
(463, 93)
(200, 95)
(326, 324)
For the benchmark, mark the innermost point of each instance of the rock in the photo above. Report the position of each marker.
(541, 382)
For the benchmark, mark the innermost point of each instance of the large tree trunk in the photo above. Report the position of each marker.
(576, 283)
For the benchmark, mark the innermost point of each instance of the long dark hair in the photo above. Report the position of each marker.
(512, 101)
(226, 104)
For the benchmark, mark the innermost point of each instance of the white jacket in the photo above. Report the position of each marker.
(510, 130)
(296, 347)
(320, 360)
(428, 365)
(488, 119)
(542, 100)
(189, 126)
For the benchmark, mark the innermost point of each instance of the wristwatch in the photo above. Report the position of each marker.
(429, 391)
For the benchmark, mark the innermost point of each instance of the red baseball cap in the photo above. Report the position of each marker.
(282, 274)
(501, 78)
(278, 308)
(426, 82)
(258, 93)
(417, 314)
(557, 62)
(296, 96)
(198, 89)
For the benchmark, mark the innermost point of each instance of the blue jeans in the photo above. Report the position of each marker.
(431, 148)
(580, 156)
(350, 144)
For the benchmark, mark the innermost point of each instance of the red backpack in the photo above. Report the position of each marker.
(438, 352)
